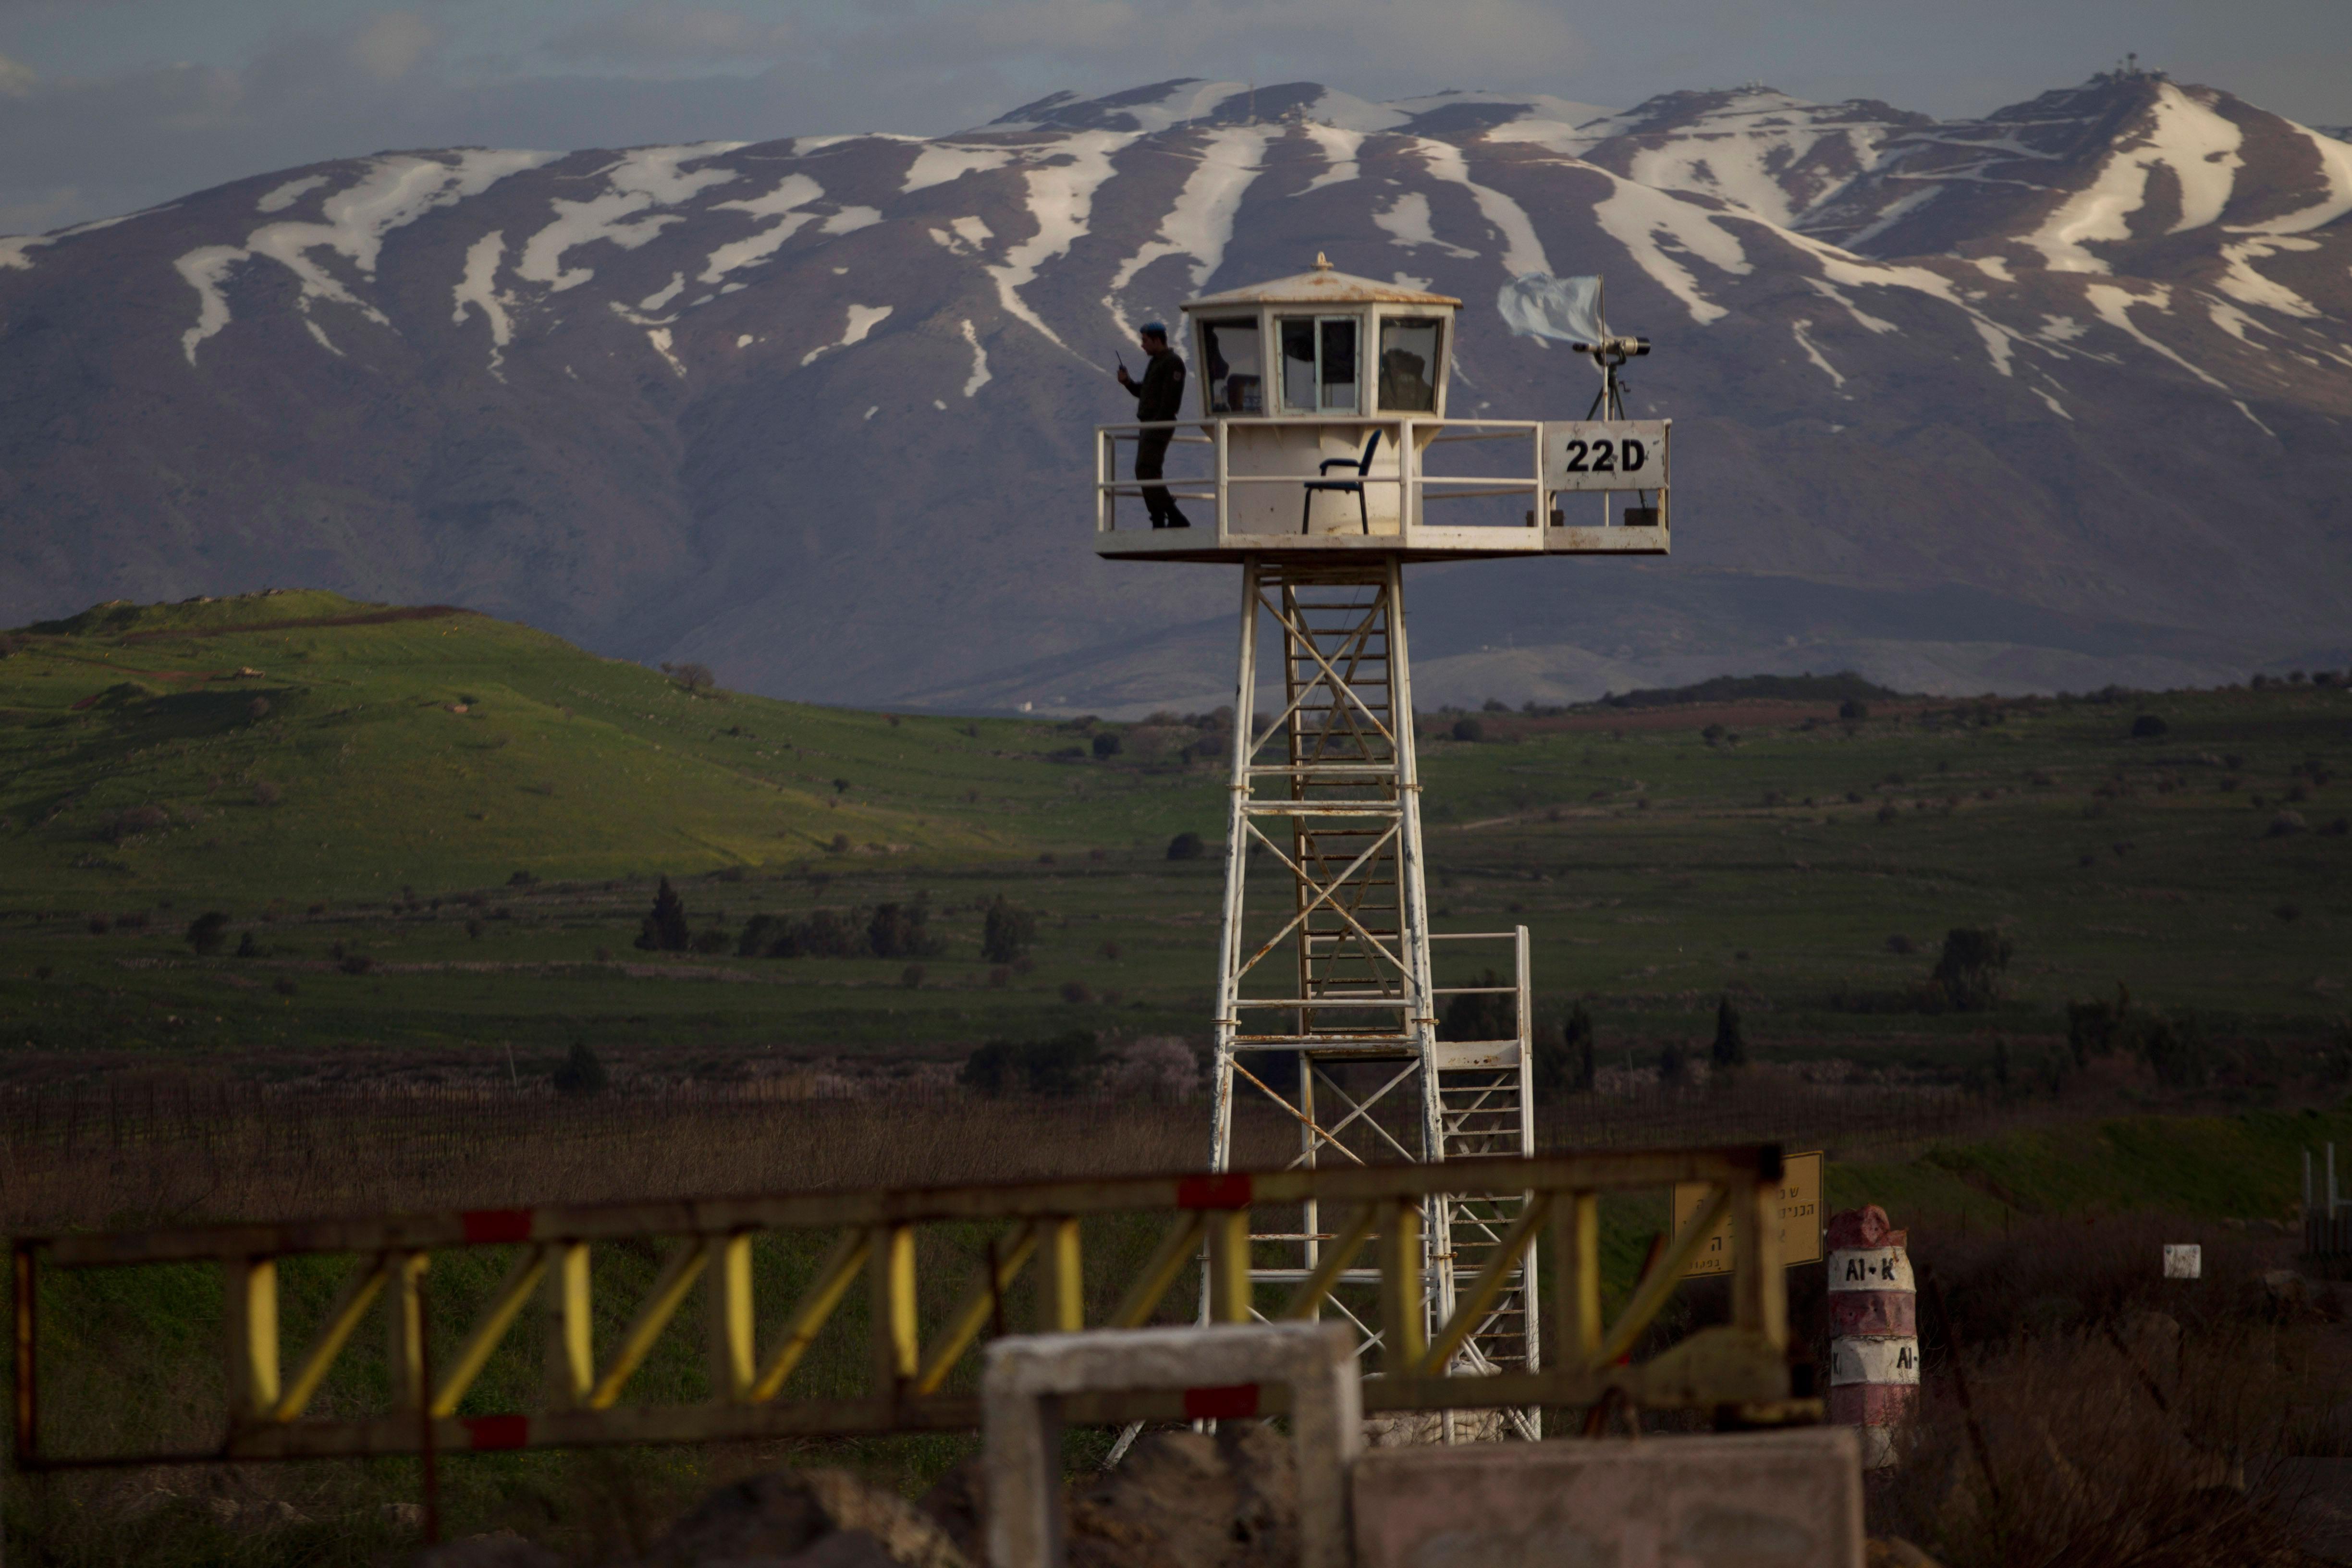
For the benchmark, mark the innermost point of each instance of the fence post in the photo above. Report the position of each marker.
(1875, 1325)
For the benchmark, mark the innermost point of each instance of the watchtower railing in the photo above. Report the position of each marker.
(1407, 442)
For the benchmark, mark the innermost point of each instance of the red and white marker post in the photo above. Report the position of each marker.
(1875, 1330)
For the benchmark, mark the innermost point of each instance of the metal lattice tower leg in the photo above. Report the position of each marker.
(1327, 1006)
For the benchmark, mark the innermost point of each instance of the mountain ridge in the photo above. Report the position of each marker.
(816, 411)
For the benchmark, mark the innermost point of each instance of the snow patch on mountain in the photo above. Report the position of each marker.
(1523, 253)
(1340, 145)
(940, 163)
(1408, 219)
(1646, 222)
(862, 319)
(979, 377)
(1061, 194)
(206, 271)
(786, 204)
(2199, 147)
(478, 290)
(278, 199)
(1200, 223)
(639, 181)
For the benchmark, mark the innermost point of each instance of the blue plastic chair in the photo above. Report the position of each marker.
(1362, 467)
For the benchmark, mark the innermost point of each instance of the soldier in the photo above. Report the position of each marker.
(1158, 396)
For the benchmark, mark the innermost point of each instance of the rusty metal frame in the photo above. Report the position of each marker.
(583, 1402)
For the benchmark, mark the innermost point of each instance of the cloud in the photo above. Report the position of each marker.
(389, 47)
(659, 35)
(16, 80)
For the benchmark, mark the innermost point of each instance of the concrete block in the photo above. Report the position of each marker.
(1026, 1374)
(1777, 1499)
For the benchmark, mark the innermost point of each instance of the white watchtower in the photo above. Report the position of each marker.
(1325, 457)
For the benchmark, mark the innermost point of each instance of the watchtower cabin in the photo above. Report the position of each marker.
(1323, 430)
(1321, 455)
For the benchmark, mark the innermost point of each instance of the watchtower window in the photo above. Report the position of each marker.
(1408, 382)
(1229, 357)
(1318, 365)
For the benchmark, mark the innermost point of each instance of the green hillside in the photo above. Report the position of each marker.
(298, 746)
(436, 833)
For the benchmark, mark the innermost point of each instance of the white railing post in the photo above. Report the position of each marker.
(1223, 528)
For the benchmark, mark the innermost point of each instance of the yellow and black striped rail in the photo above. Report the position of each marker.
(584, 1398)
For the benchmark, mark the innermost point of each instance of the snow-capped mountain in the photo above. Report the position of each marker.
(2051, 398)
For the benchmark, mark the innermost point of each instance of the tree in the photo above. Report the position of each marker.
(1186, 847)
(1484, 1013)
(1673, 1067)
(1106, 744)
(1730, 1048)
(664, 930)
(208, 932)
(1468, 729)
(693, 677)
(903, 930)
(1853, 711)
(2148, 727)
(1564, 1062)
(1969, 973)
(1007, 933)
(581, 1073)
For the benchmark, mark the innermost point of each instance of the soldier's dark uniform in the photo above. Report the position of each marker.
(1158, 396)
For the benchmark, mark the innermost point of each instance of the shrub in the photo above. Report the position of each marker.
(1106, 744)
(1186, 847)
(711, 942)
(2148, 727)
(358, 963)
(99, 925)
(1159, 1068)
(1900, 944)
(1563, 1052)
(825, 933)
(1968, 972)
(1730, 1048)
(665, 929)
(267, 794)
(283, 986)
(579, 1073)
(999, 978)
(2285, 824)
(259, 708)
(473, 929)
(139, 819)
(903, 930)
(1007, 933)
(247, 947)
(1061, 1066)
(1111, 952)
(1853, 711)
(2177, 1050)
(2095, 1029)
(208, 932)
(1673, 1067)
(1468, 729)
(911, 977)
(693, 677)
(1076, 993)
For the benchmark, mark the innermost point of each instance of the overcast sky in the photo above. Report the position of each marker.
(110, 105)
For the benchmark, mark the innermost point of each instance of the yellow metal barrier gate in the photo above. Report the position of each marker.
(1741, 1364)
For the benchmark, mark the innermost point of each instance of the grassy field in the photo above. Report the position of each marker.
(434, 835)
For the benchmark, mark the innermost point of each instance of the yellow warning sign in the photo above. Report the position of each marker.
(1800, 1217)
